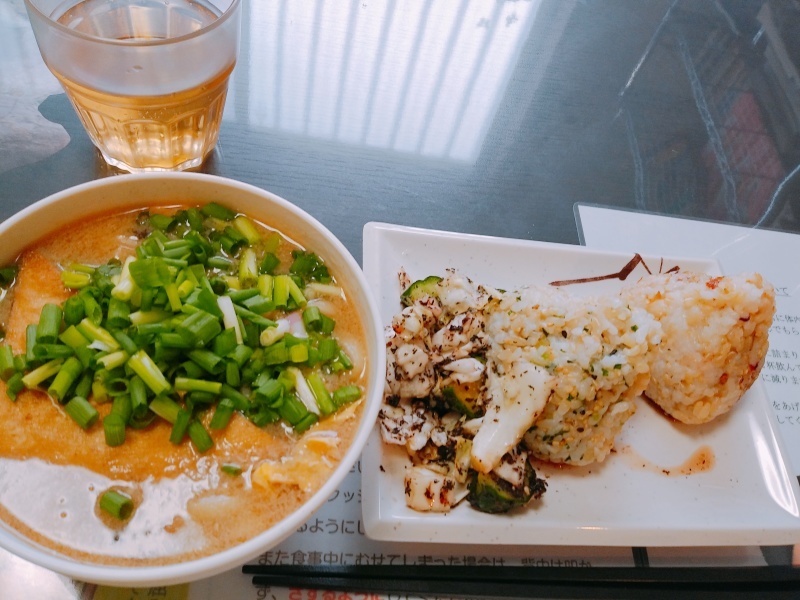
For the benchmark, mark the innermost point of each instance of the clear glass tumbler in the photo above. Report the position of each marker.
(148, 78)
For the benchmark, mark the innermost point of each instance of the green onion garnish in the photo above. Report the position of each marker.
(231, 469)
(116, 504)
(190, 329)
(82, 412)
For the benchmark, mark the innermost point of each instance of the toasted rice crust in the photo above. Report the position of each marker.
(714, 339)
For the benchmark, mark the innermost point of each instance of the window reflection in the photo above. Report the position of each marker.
(406, 75)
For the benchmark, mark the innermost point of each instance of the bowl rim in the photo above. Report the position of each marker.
(207, 566)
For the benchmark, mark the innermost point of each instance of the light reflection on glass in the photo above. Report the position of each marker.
(774, 471)
(410, 76)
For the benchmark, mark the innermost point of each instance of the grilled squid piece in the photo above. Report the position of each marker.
(517, 398)
(429, 491)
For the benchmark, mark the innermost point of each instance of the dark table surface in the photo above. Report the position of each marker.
(479, 116)
(482, 117)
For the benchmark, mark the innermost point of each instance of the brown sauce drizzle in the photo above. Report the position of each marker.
(622, 274)
(700, 461)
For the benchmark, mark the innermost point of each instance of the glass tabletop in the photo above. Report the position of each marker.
(494, 118)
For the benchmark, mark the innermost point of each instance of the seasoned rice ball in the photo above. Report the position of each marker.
(596, 349)
(714, 339)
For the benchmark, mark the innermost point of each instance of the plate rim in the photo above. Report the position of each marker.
(391, 527)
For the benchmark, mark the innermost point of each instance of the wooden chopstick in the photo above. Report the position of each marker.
(654, 583)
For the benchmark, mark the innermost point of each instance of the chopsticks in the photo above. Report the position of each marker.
(770, 582)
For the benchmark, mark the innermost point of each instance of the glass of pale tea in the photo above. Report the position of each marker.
(148, 78)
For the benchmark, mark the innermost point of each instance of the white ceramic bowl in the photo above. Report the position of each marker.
(131, 191)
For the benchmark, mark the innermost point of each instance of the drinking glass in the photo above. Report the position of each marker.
(147, 78)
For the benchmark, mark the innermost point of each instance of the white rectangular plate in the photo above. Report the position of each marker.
(637, 497)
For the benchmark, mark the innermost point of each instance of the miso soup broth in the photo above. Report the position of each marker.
(189, 501)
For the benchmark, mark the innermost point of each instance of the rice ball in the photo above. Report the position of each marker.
(714, 339)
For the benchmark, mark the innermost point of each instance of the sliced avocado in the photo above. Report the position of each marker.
(488, 493)
(421, 287)
(464, 398)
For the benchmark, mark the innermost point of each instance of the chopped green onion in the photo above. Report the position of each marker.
(114, 359)
(231, 469)
(252, 317)
(162, 222)
(302, 389)
(7, 367)
(222, 263)
(199, 436)
(74, 310)
(311, 317)
(233, 375)
(181, 327)
(345, 360)
(223, 414)
(346, 394)
(114, 429)
(229, 318)
(276, 354)
(122, 406)
(91, 308)
(165, 408)
(119, 313)
(73, 338)
(138, 392)
(248, 267)
(199, 327)
(30, 343)
(309, 267)
(280, 291)
(328, 349)
(50, 351)
(292, 410)
(67, 374)
(239, 400)
(180, 426)
(83, 413)
(321, 394)
(124, 288)
(259, 304)
(99, 391)
(14, 386)
(306, 422)
(151, 272)
(99, 337)
(173, 296)
(247, 228)
(116, 386)
(42, 373)
(225, 342)
(125, 341)
(295, 293)
(75, 280)
(116, 504)
(184, 384)
(207, 360)
(144, 367)
(49, 324)
(84, 386)
(269, 263)
(149, 317)
(217, 211)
